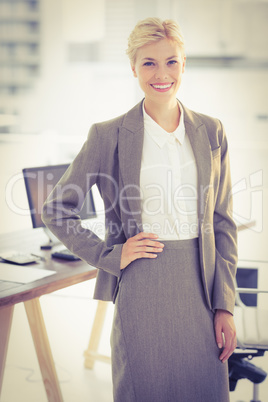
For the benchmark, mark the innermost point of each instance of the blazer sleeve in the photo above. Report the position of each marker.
(225, 232)
(61, 210)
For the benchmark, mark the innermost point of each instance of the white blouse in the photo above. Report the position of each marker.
(168, 182)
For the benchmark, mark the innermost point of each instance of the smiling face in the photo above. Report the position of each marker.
(159, 67)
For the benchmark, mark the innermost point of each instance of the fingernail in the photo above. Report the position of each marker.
(219, 345)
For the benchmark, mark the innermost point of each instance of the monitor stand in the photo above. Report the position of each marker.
(52, 240)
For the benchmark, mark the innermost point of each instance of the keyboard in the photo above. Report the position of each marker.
(65, 254)
(14, 257)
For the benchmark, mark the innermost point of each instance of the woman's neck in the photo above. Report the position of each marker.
(166, 115)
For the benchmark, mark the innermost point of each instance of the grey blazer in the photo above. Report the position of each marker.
(111, 159)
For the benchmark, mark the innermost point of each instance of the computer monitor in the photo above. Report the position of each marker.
(39, 182)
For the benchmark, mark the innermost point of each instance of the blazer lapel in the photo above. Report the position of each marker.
(130, 144)
(197, 134)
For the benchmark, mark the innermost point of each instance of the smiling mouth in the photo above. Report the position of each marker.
(162, 87)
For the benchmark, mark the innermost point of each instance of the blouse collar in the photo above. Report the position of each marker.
(158, 134)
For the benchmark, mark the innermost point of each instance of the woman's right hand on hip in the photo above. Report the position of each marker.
(142, 245)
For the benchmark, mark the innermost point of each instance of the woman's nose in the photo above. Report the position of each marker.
(161, 73)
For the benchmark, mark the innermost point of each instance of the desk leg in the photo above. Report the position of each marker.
(43, 351)
(6, 315)
(91, 353)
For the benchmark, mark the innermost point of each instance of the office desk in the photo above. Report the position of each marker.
(67, 274)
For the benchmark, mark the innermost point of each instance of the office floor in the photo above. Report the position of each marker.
(69, 315)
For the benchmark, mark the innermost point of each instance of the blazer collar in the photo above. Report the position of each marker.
(130, 144)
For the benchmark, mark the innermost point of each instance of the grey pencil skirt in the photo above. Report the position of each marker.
(163, 342)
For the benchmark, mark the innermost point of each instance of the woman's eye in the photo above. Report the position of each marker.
(172, 62)
(148, 63)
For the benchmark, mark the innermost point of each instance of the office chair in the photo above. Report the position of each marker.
(252, 341)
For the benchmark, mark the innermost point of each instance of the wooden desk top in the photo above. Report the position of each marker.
(67, 272)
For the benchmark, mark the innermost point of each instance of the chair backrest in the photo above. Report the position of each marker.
(251, 327)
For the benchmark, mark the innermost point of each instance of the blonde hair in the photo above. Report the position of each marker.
(152, 30)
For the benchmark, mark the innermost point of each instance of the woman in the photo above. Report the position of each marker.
(169, 257)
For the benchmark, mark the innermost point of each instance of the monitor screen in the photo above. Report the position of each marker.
(39, 182)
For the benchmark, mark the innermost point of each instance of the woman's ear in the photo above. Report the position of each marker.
(134, 71)
(183, 63)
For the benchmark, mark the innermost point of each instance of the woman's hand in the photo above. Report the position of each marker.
(140, 246)
(224, 325)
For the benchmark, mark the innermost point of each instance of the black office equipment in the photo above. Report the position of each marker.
(65, 254)
(240, 367)
(39, 182)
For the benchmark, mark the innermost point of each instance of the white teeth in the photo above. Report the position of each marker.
(162, 86)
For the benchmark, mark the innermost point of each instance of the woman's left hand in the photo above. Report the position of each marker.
(224, 325)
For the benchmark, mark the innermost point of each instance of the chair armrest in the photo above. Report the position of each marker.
(251, 290)
(247, 225)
